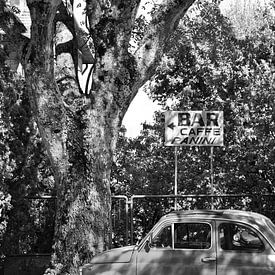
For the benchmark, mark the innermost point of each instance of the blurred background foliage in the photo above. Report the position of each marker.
(26, 224)
(213, 62)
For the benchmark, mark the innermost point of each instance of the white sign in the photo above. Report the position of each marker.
(194, 128)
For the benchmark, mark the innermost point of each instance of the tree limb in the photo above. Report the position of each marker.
(65, 77)
(81, 37)
(66, 47)
(165, 20)
(79, 45)
(9, 22)
(13, 28)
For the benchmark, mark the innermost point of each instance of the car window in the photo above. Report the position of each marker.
(186, 236)
(239, 238)
(192, 235)
(163, 239)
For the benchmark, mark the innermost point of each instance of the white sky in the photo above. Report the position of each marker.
(141, 110)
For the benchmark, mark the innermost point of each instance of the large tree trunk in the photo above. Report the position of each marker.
(83, 197)
(79, 142)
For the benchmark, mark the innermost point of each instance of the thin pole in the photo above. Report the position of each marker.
(127, 221)
(176, 176)
(212, 176)
(132, 221)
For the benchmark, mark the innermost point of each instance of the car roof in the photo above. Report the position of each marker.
(224, 214)
(258, 221)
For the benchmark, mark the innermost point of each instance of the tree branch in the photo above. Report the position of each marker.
(65, 77)
(66, 47)
(64, 16)
(165, 20)
(13, 28)
(81, 37)
(9, 22)
(111, 24)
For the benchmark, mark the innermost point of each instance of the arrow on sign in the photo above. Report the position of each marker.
(172, 125)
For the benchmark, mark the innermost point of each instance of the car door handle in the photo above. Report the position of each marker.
(208, 259)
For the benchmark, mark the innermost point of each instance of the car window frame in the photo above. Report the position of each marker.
(158, 232)
(152, 233)
(253, 229)
(161, 226)
(193, 222)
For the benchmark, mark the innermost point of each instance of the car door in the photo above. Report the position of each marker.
(242, 250)
(180, 248)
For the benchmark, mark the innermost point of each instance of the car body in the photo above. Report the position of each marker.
(196, 242)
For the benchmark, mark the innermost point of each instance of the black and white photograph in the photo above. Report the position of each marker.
(137, 137)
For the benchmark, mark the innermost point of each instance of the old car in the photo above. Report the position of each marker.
(198, 242)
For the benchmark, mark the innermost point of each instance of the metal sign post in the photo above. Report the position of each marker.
(176, 177)
(194, 128)
(212, 176)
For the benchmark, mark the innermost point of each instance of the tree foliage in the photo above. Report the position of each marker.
(208, 67)
(220, 72)
(24, 171)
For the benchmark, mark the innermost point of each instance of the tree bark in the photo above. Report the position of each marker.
(78, 143)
